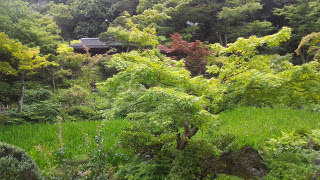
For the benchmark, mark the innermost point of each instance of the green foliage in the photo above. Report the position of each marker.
(240, 13)
(17, 60)
(254, 126)
(90, 17)
(62, 16)
(144, 168)
(31, 28)
(16, 164)
(313, 42)
(157, 94)
(73, 96)
(226, 177)
(292, 166)
(121, 6)
(6, 93)
(296, 141)
(140, 142)
(73, 139)
(189, 164)
(37, 95)
(97, 165)
(138, 30)
(80, 113)
(44, 111)
(247, 76)
(70, 63)
(292, 155)
(303, 17)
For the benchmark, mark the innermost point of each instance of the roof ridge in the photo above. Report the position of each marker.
(89, 38)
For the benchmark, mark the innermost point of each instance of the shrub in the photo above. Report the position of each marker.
(225, 177)
(5, 93)
(189, 164)
(144, 168)
(288, 165)
(16, 164)
(292, 155)
(43, 111)
(80, 113)
(36, 95)
(73, 96)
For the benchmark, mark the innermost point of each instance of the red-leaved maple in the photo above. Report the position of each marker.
(194, 53)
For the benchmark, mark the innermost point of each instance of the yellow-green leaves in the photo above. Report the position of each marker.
(16, 59)
(64, 49)
(313, 42)
(247, 77)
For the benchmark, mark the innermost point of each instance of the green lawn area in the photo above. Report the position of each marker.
(29, 135)
(253, 126)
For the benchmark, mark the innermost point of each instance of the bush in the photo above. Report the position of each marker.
(36, 95)
(292, 155)
(225, 177)
(5, 93)
(44, 111)
(144, 168)
(16, 164)
(80, 113)
(190, 163)
(288, 165)
(73, 96)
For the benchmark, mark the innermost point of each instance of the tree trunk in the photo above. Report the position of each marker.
(23, 89)
(226, 40)
(220, 38)
(53, 84)
(182, 141)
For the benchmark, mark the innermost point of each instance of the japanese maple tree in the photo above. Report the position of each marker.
(194, 54)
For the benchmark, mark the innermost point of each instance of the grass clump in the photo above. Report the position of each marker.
(254, 126)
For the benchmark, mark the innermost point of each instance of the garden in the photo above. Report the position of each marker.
(174, 102)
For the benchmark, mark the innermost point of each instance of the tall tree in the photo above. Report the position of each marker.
(62, 16)
(91, 17)
(303, 16)
(311, 45)
(19, 61)
(31, 28)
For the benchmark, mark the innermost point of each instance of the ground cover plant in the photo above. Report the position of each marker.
(27, 136)
(254, 126)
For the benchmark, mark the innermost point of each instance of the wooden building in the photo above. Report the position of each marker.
(95, 46)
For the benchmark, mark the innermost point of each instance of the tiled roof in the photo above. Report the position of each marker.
(90, 43)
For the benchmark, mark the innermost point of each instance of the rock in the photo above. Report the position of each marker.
(249, 162)
(245, 163)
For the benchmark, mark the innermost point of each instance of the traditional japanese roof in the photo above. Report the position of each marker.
(91, 43)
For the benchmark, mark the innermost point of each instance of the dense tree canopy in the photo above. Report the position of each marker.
(31, 28)
(19, 61)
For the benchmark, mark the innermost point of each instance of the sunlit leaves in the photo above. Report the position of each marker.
(250, 78)
(156, 93)
(15, 59)
(313, 42)
(31, 28)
